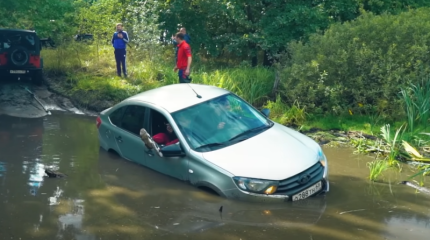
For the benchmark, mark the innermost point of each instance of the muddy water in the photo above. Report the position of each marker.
(105, 197)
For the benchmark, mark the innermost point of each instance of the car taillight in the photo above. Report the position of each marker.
(3, 59)
(35, 60)
(98, 121)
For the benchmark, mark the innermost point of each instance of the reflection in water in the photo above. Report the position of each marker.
(2, 168)
(2, 173)
(398, 224)
(55, 199)
(105, 197)
(73, 221)
(29, 146)
(74, 218)
(200, 216)
(37, 171)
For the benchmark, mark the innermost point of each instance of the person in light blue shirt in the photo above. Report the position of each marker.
(119, 43)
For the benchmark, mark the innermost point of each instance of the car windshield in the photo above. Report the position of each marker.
(220, 122)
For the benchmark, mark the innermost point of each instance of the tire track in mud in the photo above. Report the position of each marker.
(17, 100)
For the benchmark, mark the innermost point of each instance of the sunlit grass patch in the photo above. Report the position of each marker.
(106, 88)
(344, 122)
(287, 115)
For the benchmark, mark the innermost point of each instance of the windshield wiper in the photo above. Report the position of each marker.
(250, 131)
(215, 144)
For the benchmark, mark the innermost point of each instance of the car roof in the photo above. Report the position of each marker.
(16, 30)
(175, 97)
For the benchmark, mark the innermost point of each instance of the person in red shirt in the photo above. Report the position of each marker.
(166, 138)
(183, 62)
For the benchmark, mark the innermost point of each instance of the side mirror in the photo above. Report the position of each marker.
(266, 112)
(174, 150)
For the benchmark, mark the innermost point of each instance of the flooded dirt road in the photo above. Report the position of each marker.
(26, 100)
(105, 197)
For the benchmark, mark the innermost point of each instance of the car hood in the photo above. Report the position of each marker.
(277, 153)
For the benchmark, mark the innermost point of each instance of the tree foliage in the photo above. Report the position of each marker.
(98, 17)
(247, 26)
(139, 17)
(242, 27)
(362, 63)
(48, 17)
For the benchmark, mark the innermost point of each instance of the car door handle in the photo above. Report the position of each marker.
(149, 152)
(118, 138)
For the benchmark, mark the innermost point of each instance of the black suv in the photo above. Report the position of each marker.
(20, 55)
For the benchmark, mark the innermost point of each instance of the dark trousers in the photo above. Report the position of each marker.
(182, 77)
(120, 61)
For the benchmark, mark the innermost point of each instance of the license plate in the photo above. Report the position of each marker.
(308, 192)
(17, 71)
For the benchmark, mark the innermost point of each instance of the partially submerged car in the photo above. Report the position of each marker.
(222, 143)
(20, 55)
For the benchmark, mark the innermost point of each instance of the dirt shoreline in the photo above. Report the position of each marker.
(76, 98)
(25, 100)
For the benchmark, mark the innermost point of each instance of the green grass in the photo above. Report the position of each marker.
(417, 103)
(366, 124)
(284, 114)
(92, 69)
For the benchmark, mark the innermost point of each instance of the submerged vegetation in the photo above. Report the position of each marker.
(411, 142)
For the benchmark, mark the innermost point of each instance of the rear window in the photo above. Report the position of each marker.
(14, 39)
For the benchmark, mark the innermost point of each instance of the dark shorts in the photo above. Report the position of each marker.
(182, 77)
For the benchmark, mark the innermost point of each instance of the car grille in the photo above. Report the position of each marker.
(292, 185)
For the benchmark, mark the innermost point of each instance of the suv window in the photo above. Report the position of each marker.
(133, 119)
(8, 40)
(116, 116)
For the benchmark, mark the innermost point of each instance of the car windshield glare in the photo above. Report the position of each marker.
(219, 122)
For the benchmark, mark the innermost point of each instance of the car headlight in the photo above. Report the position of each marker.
(322, 158)
(256, 185)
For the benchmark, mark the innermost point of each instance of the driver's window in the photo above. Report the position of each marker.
(161, 130)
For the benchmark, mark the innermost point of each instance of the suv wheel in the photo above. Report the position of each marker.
(19, 56)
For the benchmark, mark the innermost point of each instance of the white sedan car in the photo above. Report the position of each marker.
(213, 139)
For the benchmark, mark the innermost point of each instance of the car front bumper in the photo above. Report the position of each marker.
(254, 197)
(239, 194)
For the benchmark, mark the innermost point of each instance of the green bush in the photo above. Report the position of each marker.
(359, 64)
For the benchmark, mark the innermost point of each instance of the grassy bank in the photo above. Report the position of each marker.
(86, 74)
